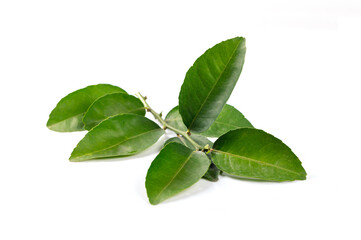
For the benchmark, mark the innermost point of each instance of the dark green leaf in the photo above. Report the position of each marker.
(68, 114)
(174, 169)
(213, 171)
(120, 135)
(253, 153)
(110, 105)
(229, 119)
(209, 83)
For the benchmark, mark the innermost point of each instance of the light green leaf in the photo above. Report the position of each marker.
(255, 154)
(174, 119)
(174, 169)
(68, 114)
(229, 119)
(110, 105)
(120, 135)
(209, 83)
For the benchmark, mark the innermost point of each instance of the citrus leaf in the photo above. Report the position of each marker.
(201, 140)
(120, 135)
(174, 119)
(174, 169)
(229, 119)
(255, 154)
(68, 114)
(212, 172)
(209, 83)
(110, 105)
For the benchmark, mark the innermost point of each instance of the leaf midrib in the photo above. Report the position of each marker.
(257, 161)
(114, 145)
(175, 175)
(209, 93)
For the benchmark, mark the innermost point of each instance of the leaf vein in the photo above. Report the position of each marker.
(256, 161)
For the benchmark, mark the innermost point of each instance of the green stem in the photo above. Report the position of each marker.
(166, 125)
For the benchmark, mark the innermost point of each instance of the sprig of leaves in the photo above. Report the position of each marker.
(118, 127)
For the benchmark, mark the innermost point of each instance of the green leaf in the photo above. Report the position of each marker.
(174, 119)
(213, 171)
(120, 135)
(201, 140)
(174, 169)
(229, 119)
(209, 83)
(68, 114)
(253, 153)
(110, 105)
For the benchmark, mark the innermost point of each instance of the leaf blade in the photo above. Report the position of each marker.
(68, 114)
(209, 83)
(253, 153)
(110, 105)
(174, 169)
(212, 172)
(120, 135)
(201, 140)
(229, 119)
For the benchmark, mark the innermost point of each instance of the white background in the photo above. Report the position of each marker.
(300, 83)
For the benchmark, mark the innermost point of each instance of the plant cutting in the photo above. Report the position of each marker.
(117, 127)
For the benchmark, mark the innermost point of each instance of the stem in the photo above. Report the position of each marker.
(165, 124)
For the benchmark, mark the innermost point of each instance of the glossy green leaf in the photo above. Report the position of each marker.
(201, 140)
(213, 171)
(174, 169)
(110, 105)
(229, 119)
(209, 83)
(68, 114)
(120, 135)
(253, 153)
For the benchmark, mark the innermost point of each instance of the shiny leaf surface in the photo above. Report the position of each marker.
(229, 119)
(110, 105)
(120, 135)
(209, 83)
(68, 114)
(174, 169)
(255, 154)
(213, 171)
